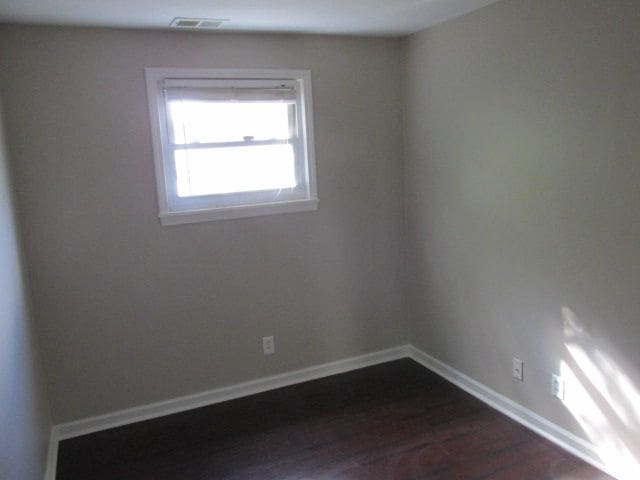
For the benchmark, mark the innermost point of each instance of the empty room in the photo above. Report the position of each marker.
(320, 240)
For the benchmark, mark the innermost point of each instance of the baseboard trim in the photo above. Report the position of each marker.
(543, 427)
(211, 397)
(52, 456)
(552, 432)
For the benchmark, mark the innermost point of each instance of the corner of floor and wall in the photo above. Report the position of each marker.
(487, 209)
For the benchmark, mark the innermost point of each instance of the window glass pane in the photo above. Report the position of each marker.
(210, 171)
(212, 122)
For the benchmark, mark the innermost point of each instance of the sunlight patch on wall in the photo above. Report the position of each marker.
(602, 398)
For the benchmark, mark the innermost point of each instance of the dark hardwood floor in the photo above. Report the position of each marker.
(391, 421)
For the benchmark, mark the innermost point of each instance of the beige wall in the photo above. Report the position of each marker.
(131, 312)
(522, 194)
(24, 413)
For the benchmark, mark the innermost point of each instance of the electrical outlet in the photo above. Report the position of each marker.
(268, 345)
(557, 386)
(518, 366)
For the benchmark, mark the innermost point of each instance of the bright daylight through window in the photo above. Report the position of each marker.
(231, 143)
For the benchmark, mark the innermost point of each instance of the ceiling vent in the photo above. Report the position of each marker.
(197, 23)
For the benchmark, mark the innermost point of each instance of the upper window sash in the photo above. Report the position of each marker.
(233, 92)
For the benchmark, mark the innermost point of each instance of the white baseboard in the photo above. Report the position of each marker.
(543, 427)
(561, 437)
(189, 402)
(52, 456)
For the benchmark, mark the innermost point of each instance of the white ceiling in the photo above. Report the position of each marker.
(355, 17)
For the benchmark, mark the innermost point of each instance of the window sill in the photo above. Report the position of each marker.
(244, 211)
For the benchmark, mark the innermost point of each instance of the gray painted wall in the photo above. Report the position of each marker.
(24, 414)
(131, 312)
(522, 199)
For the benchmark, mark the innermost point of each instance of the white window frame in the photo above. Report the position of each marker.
(174, 210)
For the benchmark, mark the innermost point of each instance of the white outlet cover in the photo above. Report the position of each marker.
(557, 386)
(518, 366)
(268, 345)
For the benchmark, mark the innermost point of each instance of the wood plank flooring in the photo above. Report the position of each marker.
(392, 421)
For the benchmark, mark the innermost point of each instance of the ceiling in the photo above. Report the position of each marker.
(354, 17)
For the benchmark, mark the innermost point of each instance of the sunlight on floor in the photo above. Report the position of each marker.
(602, 398)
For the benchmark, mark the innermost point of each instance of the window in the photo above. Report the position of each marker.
(231, 143)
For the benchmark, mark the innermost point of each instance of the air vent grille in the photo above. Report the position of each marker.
(198, 23)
